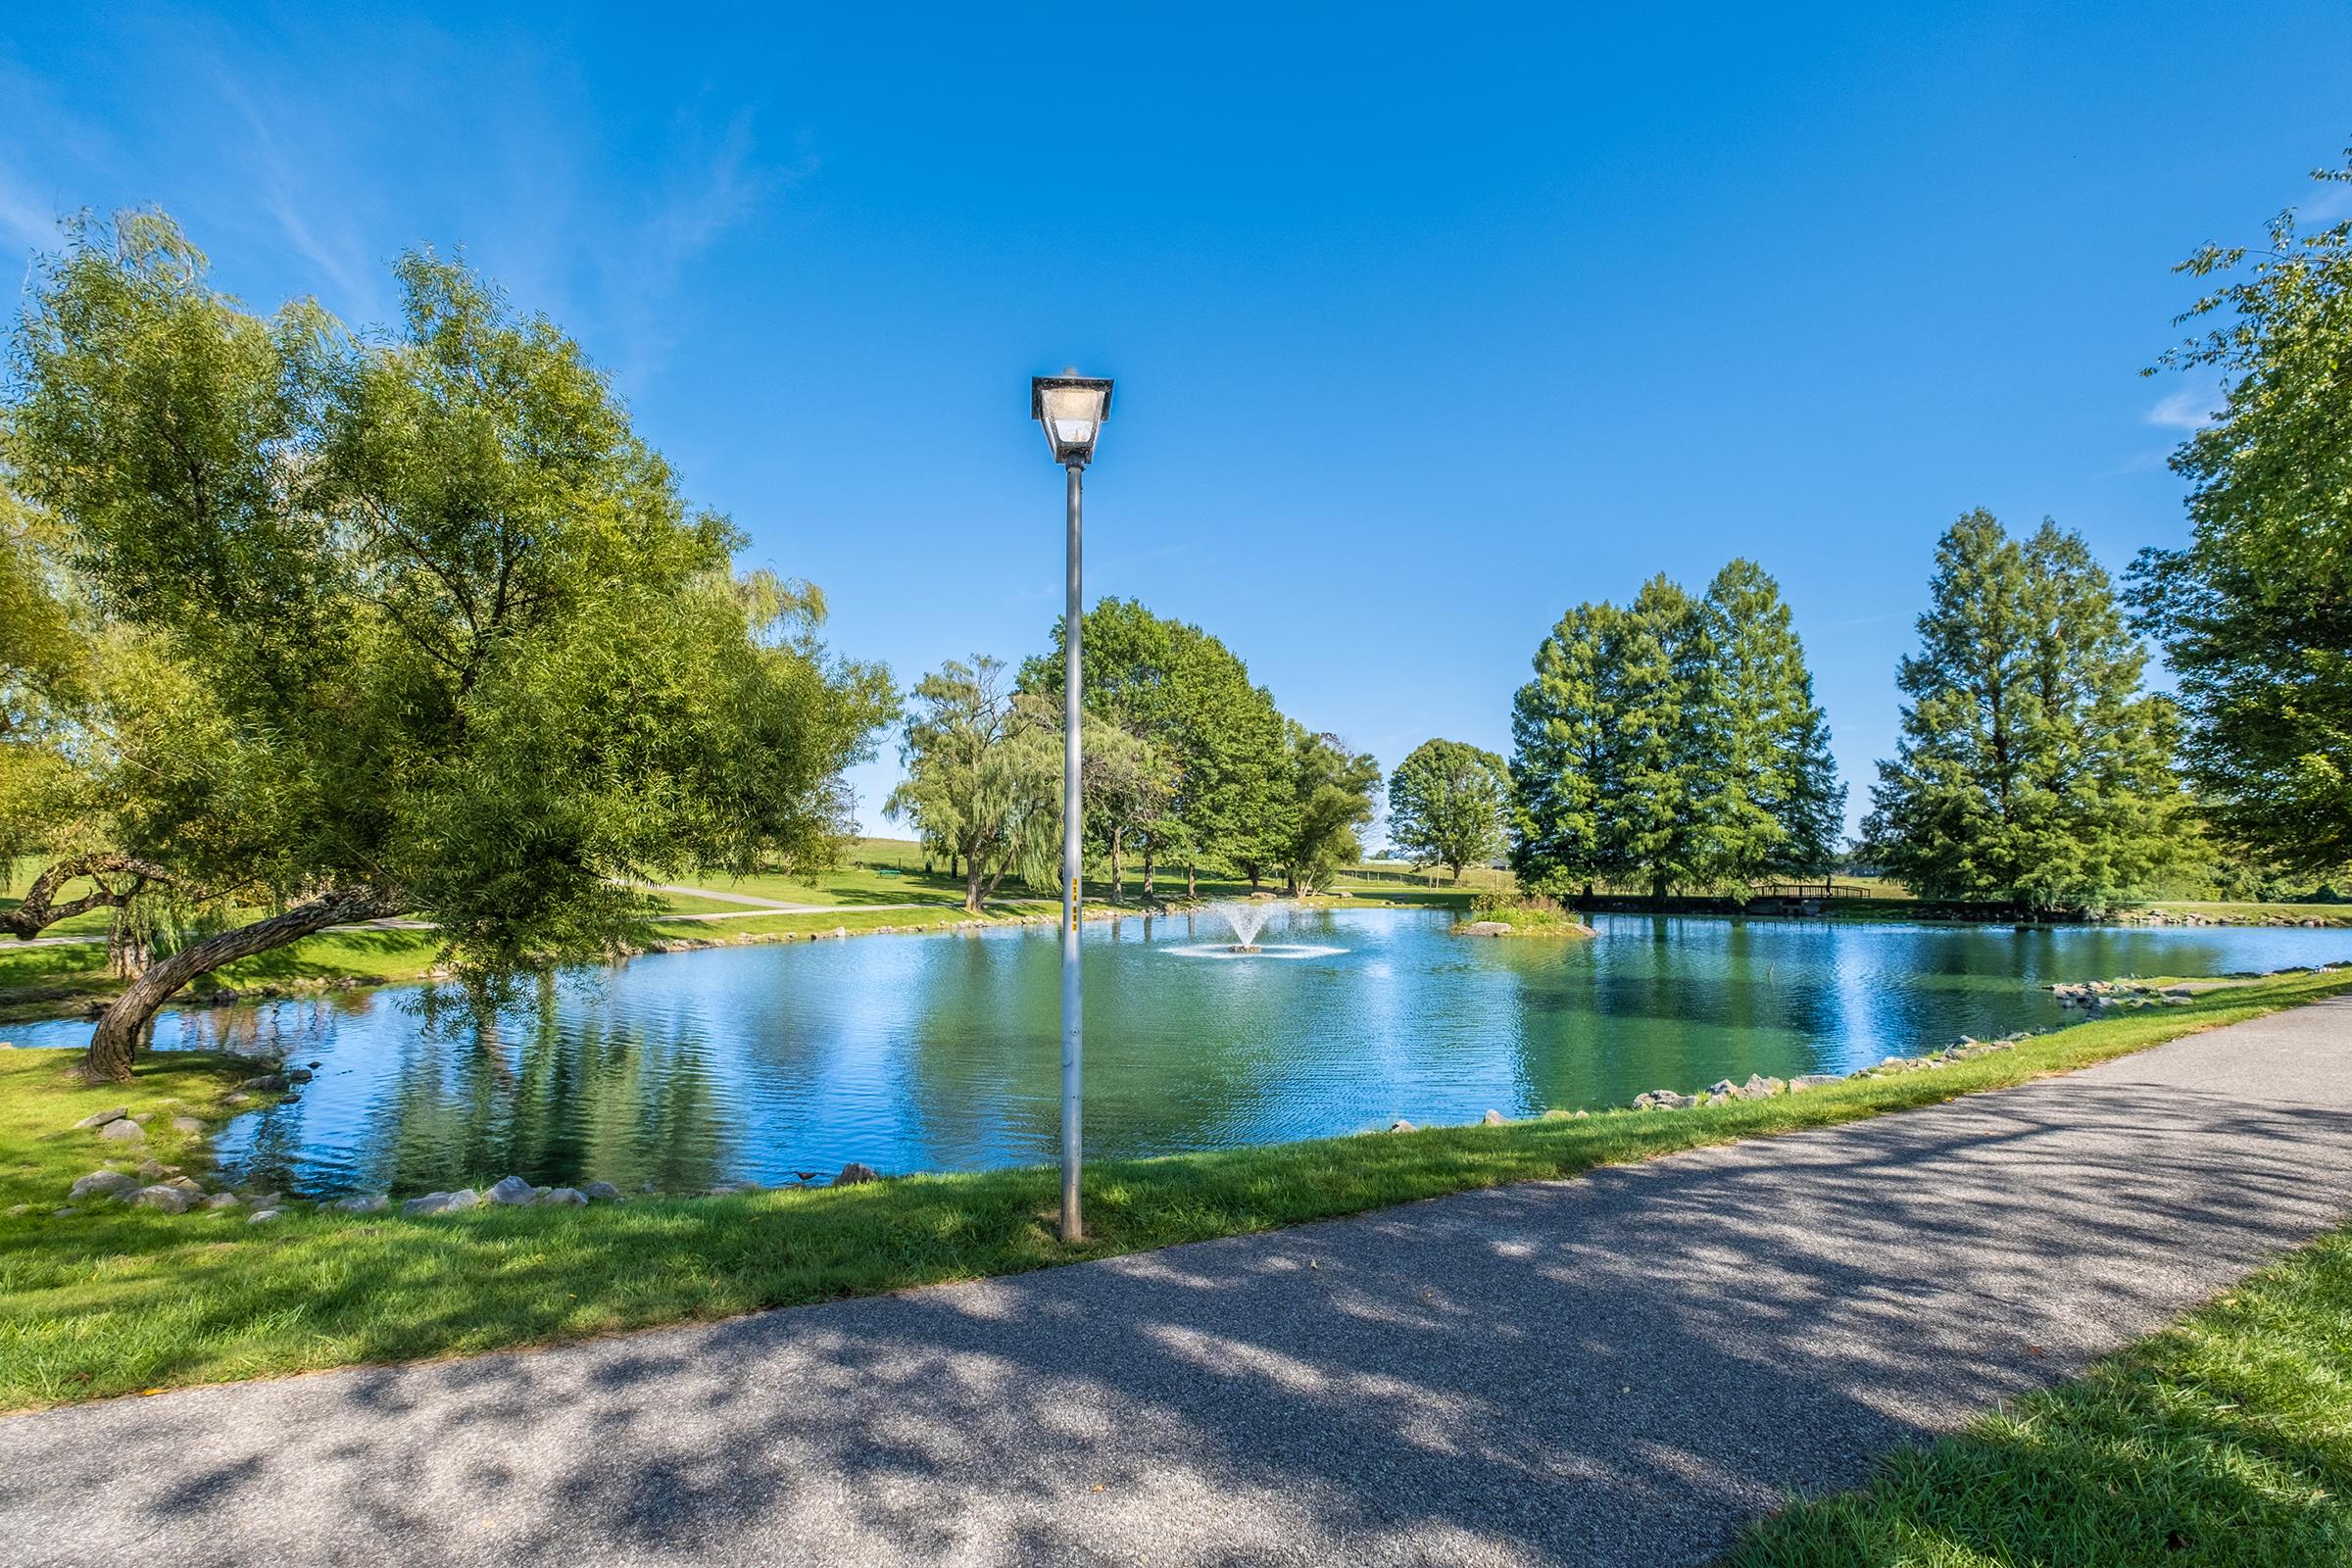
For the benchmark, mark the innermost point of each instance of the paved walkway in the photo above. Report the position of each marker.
(1615, 1370)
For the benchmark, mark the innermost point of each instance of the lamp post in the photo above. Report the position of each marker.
(1071, 407)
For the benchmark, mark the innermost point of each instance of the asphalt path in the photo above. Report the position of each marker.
(1620, 1369)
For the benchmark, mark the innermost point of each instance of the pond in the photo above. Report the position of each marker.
(942, 1052)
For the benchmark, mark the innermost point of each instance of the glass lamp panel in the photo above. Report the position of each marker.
(1073, 414)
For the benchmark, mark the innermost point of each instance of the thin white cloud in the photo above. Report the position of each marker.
(2139, 463)
(2330, 204)
(282, 190)
(711, 199)
(706, 196)
(24, 222)
(40, 140)
(2190, 410)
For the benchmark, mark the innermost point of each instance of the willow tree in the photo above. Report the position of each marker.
(44, 682)
(983, 778)
(430, 629)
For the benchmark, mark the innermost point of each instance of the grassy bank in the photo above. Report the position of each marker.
(112, 1301)
(2227, 1440)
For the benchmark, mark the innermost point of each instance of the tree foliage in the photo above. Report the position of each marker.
(1563, 755)
(1771, 798)
(1449, 805)
(420, 625)
(1332, 793)
(2255, 612)
(2031, 771)
(1217, 741)
(44, 682)
(1674, 741)
(983, 778)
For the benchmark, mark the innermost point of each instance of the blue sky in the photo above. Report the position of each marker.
(1427, 323)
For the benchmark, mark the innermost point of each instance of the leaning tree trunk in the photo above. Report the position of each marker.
(1151, 854)
(125, 1022)
(1191, 882)
(39, 909)
(1118, 884)
(971, 886)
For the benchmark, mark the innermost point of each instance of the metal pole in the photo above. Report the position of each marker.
(1072, 1018)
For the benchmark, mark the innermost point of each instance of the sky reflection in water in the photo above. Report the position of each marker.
(941, 1052)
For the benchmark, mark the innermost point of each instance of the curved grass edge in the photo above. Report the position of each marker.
(2226, 1439)
(121, 1300)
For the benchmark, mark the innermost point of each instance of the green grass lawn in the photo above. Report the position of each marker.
(2224, 1442)
(115, 1300)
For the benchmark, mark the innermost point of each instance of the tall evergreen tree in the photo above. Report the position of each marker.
(1606, 766)
(1674, 741)
(1563, 764)
(1769, 794)
(2031, 771)
(1658, 735)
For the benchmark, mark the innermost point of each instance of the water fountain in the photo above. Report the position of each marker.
(1247, 920)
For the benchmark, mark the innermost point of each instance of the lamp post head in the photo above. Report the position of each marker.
(1072, 408)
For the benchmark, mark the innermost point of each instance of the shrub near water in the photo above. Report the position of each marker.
(1528, 914)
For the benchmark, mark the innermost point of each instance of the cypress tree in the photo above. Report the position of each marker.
(1654, 828)
(1770, 800)
(2031, 771)
(1562, 765)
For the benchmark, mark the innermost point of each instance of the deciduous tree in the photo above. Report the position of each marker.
(983, 776)
(1219, 738)
(438, 633)
(1448, 804)
(1333, 792)
(2255, 612)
